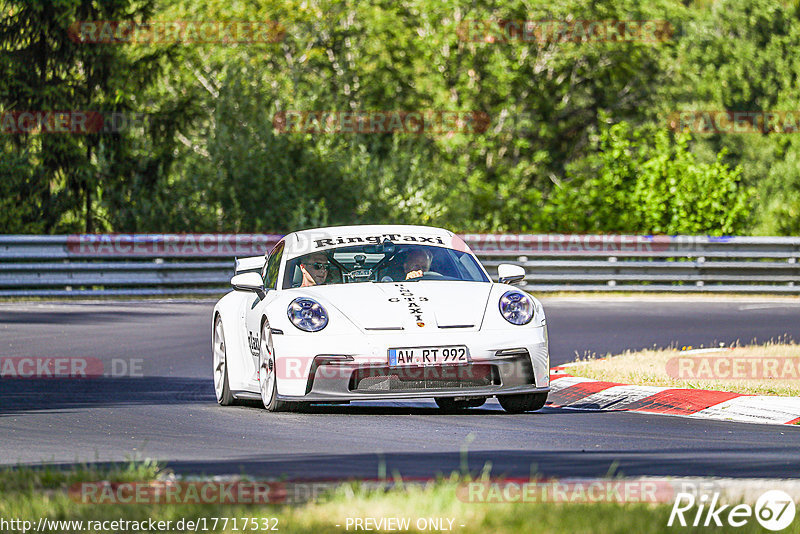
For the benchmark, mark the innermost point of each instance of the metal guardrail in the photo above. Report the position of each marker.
(180, 264)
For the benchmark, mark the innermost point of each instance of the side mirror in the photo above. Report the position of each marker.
(510, 274)
(249, 282)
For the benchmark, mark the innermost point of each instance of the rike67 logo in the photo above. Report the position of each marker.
(774, 510)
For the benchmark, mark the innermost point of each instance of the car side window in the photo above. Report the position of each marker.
(273, 266)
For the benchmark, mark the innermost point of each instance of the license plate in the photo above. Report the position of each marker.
(414, 356)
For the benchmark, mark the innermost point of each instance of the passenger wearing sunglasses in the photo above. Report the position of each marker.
(315, 269)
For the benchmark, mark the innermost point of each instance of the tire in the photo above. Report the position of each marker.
(220, 362)
(448, 404)
(267, 373)
(526, 402)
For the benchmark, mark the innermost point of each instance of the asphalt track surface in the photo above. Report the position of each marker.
(170, 414)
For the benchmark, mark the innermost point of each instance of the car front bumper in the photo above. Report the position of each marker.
(341, 368)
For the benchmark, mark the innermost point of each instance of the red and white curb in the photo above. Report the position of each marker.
(575, 392)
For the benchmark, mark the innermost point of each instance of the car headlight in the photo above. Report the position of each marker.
(307, 314)
(516, 307)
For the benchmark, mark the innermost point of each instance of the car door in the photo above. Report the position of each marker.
(254, 309)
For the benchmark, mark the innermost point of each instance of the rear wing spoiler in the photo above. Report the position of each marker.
(251, 263)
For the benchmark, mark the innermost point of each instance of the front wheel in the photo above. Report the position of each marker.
(267, 373)
(525, 402)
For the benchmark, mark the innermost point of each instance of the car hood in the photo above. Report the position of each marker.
(408, 305)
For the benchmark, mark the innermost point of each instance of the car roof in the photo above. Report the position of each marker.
(306, 241)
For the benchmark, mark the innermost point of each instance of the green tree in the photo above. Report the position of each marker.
(210, 160)
(43, 68)
(741, 55)
(647, 181)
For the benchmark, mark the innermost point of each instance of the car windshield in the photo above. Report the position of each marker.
(386, 262)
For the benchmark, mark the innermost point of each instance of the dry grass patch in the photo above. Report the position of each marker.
(770, 369)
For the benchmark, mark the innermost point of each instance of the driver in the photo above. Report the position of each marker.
(417, 261)
(315, 269)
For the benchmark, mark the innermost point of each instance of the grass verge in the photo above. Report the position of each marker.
(769, 369)
(29, 494)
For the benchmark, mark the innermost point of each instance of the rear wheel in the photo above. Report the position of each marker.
(526, 402)
(267, 373)
(449, 404)
(219, 355)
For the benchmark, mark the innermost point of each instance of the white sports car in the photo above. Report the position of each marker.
(349, 313)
